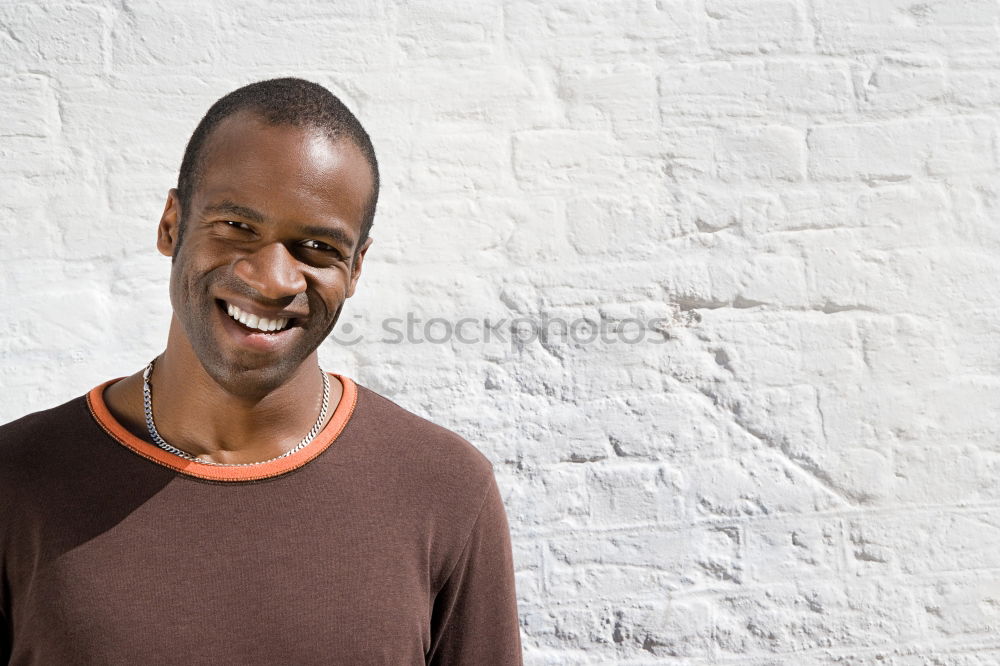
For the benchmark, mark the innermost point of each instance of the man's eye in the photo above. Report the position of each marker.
(238, 225)
(316, 245)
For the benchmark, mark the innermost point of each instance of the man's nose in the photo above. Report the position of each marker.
(272, 271)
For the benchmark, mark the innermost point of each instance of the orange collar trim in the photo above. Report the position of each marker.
(329, 433)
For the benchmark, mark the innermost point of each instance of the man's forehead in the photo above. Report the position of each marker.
(245, 140)
(245, 131)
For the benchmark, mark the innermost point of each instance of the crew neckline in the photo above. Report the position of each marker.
(265, 470)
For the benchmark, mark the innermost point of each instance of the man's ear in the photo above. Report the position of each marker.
(359, 258)
(168, 233)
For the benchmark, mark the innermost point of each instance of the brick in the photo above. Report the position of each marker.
(688, 153)
(635, 430)
(605, 225)
(598, 91)
(974, 81)
(775, 280)
(780, 353)
(752, 486)
(430, 30)
(761, 26)
(56, 37)
(466, 162)
(32, 108)
(960, 608)
(630, 493)
(152, 35)
(777, 551)
(550, 159)
(734, 155)
(27, 233)
(432, 215)
(949, 473)
(173, 114)
(900, 150)
(138, 181)
(900, 347)
(673, 27)
(898, 83)
(736, 88)
(586, 30)
(675, 629)
(556, 496)
(859, 26)
(493, 95)
(961, 540)
(765, 153)
(693, 558)
(942, 408)
(806, 616)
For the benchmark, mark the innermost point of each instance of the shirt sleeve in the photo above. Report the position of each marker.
(5, 637)
(475, 620)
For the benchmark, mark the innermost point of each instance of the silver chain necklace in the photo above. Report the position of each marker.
(147, 400)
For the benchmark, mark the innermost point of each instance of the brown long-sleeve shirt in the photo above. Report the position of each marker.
(382, 542)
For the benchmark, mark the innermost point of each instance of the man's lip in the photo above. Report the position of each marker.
(252, 340)
(262, 311)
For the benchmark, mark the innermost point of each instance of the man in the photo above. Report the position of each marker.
(230, 503)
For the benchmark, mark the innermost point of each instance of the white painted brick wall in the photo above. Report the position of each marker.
(805, 192)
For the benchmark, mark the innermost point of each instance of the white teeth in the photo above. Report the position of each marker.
(255, 321)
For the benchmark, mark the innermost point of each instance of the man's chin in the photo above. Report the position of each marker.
(244, 365)
(251, 376)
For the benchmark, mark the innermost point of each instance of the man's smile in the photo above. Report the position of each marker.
(261, 323)
(254, 327)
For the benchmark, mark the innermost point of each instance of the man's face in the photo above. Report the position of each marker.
(271, 238)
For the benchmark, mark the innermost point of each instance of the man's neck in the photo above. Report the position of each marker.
(197, 415)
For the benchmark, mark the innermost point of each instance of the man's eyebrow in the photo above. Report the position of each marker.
(232, 208)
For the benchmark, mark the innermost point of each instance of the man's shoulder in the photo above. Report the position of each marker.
(35, 445)
(426, 472)
(28, 433)
(416, 440)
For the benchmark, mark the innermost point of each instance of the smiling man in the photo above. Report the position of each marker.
(231, 503)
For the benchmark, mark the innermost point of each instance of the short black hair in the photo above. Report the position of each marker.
(285, 101)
